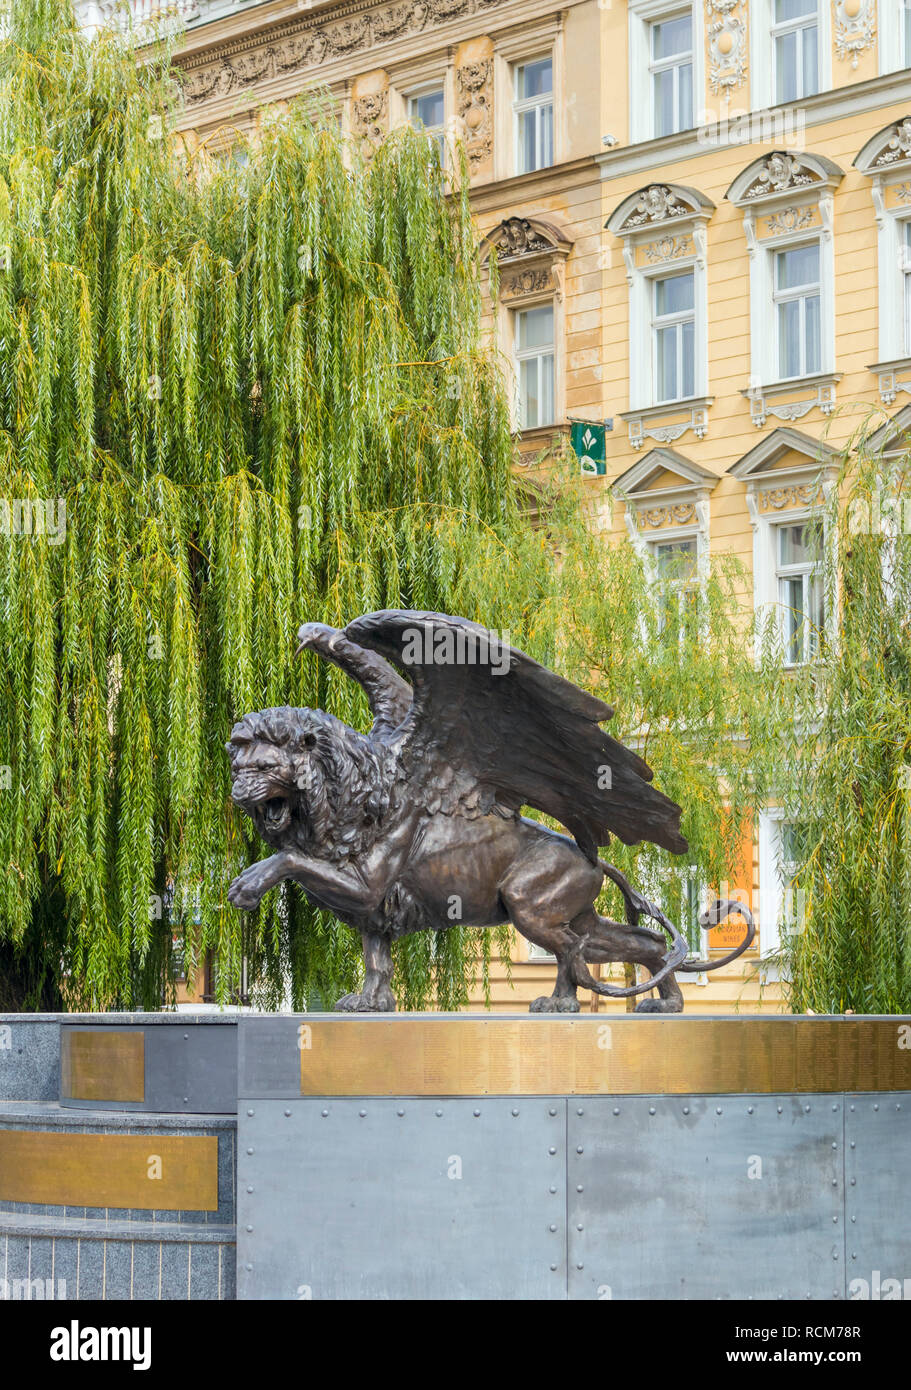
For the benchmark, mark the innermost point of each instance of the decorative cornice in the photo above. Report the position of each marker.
(310, 42)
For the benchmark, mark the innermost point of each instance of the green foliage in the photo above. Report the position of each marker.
(847, 748)
(258, 389)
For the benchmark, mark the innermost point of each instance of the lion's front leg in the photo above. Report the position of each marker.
(250, 887)
(376, 996)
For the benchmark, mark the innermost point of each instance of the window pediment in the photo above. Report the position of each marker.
(658, 206)
(531, 254)
(665, 490)
(781, 175)
(888, 150)
(786, 470)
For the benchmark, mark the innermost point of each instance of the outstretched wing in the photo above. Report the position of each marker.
(490, 724)
(389, 696)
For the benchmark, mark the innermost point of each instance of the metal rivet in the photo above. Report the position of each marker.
(835, 1219)
(580, 1265)
(834, 1257)
(552, 1188)
(853, 1254)
(852, 1107)
(579, 1188)
(515, 1112)
(287, 1113)
(897, 1105)
(553, 1266)
(400, 1113)
(249, 1189)
(438, 1113)
(834, 1146)
(651, 1110)
(686, 1110)
(249, 1228)
(249, 1266)
(853, 1144)
(779, 1111)
(324, 1113)
(185, 1036)
(616, 1110)
(807, 1109)
(579, 1227)
(834, 1107)
(552, 1110)
(579, 1149)
(853, 1218)
(476, 1113)
(834, 1182)
(551, 1228)
(853, 1182)
(250, 1112)
(249, 1151)
(876, 1106)
(717, 1109)
(186, 1100)
(749, 1109)
(551, 1150)
(362, 1113)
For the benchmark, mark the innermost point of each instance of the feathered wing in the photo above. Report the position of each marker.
(502, 730)
(389, 696)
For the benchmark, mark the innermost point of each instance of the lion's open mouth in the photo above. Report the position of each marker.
(276, 814)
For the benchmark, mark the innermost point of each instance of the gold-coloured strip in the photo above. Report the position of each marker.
(626, 1056)
(147, 1171)
(104, 1064)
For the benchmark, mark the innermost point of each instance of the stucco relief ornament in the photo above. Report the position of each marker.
(517, 237)
(655, 204)
(855, 28)
(726, 37)
(899, 147)
(668, 248)
(473, 83)
(779, 173)
(368, 117)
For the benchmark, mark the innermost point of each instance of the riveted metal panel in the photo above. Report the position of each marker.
(183, 1069)
(269, 1054)
(689, 1197)
(878, 1227)
(401, 1199)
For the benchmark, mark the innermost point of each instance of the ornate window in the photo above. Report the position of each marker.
(427, 112)
(662, 228)
(790, 50)
(666, 67)
(886, 161)
(788, 203)
(533, 104)
(531, 256)
(788, 478)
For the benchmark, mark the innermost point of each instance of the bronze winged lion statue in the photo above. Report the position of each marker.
(417, 825)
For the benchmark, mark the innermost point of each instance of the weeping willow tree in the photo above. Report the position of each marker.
(847, 746)
(236, 395)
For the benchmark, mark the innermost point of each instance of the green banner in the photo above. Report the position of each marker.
(589, 444)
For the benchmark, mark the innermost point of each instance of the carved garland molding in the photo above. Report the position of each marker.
(855, 28)
(474, 94)
(309, 43)
(726, 39)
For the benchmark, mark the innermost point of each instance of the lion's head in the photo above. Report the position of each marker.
(306, 780)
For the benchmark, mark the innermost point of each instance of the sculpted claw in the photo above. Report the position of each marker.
(554, 1004)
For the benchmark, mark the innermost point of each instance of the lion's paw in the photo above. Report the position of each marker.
(659, 1006)
(243, 894)
(379, 1003)
(554, 1004)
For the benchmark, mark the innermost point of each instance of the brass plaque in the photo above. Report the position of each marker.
(148, 1171)
(616, 1056)
(104, 1064)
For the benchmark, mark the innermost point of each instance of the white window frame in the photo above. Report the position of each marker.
(764, 355)
(806, 571)
(643, 372)
(890, 36)
(672, 64)
(677, 535)
(772, 891)
(530, 354)
(533, 40)
(523, 105)
(780, 29)
(765, 540)
(661, 322)
(762, 53)
(438, 133)
(894, 274)
(642, 15)
(800, 293)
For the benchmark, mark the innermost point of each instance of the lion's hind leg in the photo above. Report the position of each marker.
(376, 996)
(607, 942)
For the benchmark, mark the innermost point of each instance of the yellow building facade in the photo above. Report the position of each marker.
(702, 219)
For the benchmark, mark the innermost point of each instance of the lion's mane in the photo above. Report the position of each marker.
(346, 783)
